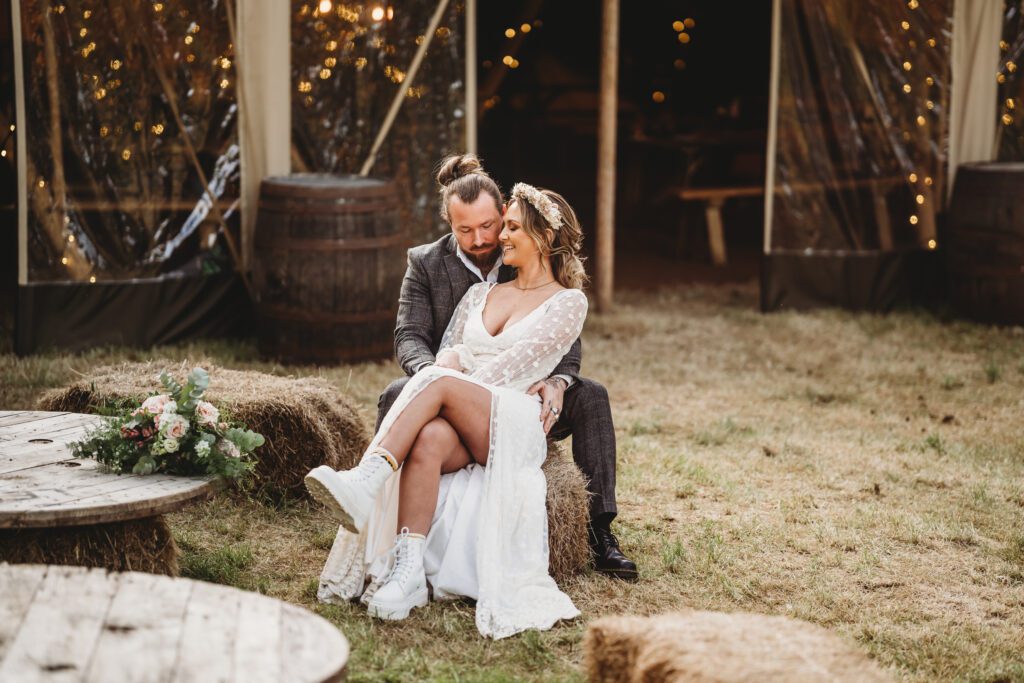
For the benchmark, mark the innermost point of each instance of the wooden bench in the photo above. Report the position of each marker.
(81, 624)
(55, 508)
(715, 197)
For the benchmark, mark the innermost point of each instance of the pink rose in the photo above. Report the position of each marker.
(207, 414)
(229, 448)
(154, 405)
(173, 426)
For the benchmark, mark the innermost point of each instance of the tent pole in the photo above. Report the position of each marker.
(471, 93)
(773, 124)
(606, 155)
(20, 146)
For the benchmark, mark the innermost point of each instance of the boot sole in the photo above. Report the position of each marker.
(397, 612)
(621, 574)
(331, 499)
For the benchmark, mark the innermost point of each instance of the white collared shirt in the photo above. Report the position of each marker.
(492, 276)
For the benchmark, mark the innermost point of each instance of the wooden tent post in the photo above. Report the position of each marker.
(20, 146)
(471, 91)
(606, 155)
(773, 124)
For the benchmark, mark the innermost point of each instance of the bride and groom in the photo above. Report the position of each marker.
(450, 490)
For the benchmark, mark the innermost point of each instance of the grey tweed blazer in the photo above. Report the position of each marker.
(435, 281)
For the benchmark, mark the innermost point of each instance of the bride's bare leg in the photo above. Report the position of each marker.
(464, 405)
(436, 451)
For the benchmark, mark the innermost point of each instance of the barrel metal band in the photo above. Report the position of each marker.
(264, 241)
(278, 312)
(298, 207)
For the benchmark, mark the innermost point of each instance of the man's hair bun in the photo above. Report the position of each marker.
(457, 166)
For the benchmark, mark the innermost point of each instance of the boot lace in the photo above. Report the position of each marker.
(401, 569)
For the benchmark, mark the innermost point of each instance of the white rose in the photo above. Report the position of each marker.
(202, 449)
(154, 405)
(173, 426)
(171, 445)
(206, 414)
(170, 408)
(229, 448)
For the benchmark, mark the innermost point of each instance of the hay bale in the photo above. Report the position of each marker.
(717, 647)
(306, 422)
(568, 504)
(140, 545)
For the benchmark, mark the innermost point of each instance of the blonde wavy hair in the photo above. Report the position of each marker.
(561, 246)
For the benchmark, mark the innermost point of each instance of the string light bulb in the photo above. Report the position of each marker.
(377, 13)
(525, 28)
(913, 220)
(932, 244)
(684, 38)
(912, 177)
(510, 33)
(92, 279)
(678, 26)
(919, 199)
(325, 6)
(658, 96)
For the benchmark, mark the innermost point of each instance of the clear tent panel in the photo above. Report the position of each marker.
(348, 62)
(131, 133)
(862, 133)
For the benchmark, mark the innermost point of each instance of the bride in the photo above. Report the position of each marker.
(450, 490)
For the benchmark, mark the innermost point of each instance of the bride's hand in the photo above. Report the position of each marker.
(552, 393)
(448, 359)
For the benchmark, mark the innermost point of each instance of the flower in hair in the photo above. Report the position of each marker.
(538, 200)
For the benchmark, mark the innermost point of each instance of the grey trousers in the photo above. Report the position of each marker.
(587, 416)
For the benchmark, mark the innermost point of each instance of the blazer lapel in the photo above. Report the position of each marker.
(459, 276)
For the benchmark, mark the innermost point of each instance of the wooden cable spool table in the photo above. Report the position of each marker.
(58, 509)
(81, 624)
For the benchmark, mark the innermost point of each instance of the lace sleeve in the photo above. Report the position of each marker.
(453, 335)
(539, 352)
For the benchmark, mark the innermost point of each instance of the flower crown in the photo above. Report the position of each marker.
(547, 208)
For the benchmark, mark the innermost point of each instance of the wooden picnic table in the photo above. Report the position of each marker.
(81, 624)
(50, 497)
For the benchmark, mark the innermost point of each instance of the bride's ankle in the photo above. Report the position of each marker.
(381, 452)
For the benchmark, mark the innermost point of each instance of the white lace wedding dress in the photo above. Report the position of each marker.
(488, 539)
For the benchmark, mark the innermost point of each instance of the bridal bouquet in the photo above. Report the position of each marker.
(175, 432)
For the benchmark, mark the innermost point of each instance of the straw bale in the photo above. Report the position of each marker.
(708, 647)
(141, 545)
(306, 422)
(568, 504)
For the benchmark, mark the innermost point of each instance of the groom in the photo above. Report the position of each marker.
(437, 277)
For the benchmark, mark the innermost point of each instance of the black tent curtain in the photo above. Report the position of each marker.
(859, 169)
(133, 151)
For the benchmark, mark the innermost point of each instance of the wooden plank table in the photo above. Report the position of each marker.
(50, 499)
(81, 624)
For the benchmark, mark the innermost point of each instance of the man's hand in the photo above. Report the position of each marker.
(448, 359)
(551, 391)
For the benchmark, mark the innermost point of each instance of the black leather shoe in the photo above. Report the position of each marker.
(608, 558)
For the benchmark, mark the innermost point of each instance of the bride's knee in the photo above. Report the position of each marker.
(435, 440)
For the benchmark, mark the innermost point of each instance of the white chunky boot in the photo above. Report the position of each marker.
(405, 586)
(350, 495)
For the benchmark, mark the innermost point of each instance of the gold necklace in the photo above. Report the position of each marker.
(526, 289)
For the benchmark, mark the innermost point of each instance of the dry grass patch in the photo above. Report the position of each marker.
(856, 471)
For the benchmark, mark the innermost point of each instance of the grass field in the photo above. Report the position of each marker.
(863, 472)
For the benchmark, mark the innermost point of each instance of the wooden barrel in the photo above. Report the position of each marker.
(327, 268)
(983, 242)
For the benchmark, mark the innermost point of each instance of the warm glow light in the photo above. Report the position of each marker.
(912, 177)
(1010, 104)
(678, 26)
(71, 238)
(929, 104)
(64, 260)
(330, 62)
(507, 60)
(1000, 78)
(1007, 119)
(42, 183)
(115, 64)
(905, 25)
(83, 33)
(158, 6)
(928, 180)
(126, 154)
(377, 14)
(919, 199)
(684, 38)
(912, 4)
(689, 23)
(514, 64)
(913, 220)
(679, 64)
(332, 45)
(921, 120)
(1011, 66)
(158, 128)
(225, 63)
(3, 152)
(391, 13)
(907, 66)
(224, 84)
(1003, 45)
(92, 278)
(658, 96)
(325, 6)
(325, 74)
(188, 40)
(932, 244)
(931, 42)
(525, 28)
(510, 33)
(930, 81)
(907, 88)
(360, 62)
(12, 127)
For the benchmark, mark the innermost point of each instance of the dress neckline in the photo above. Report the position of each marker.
(507, 325)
